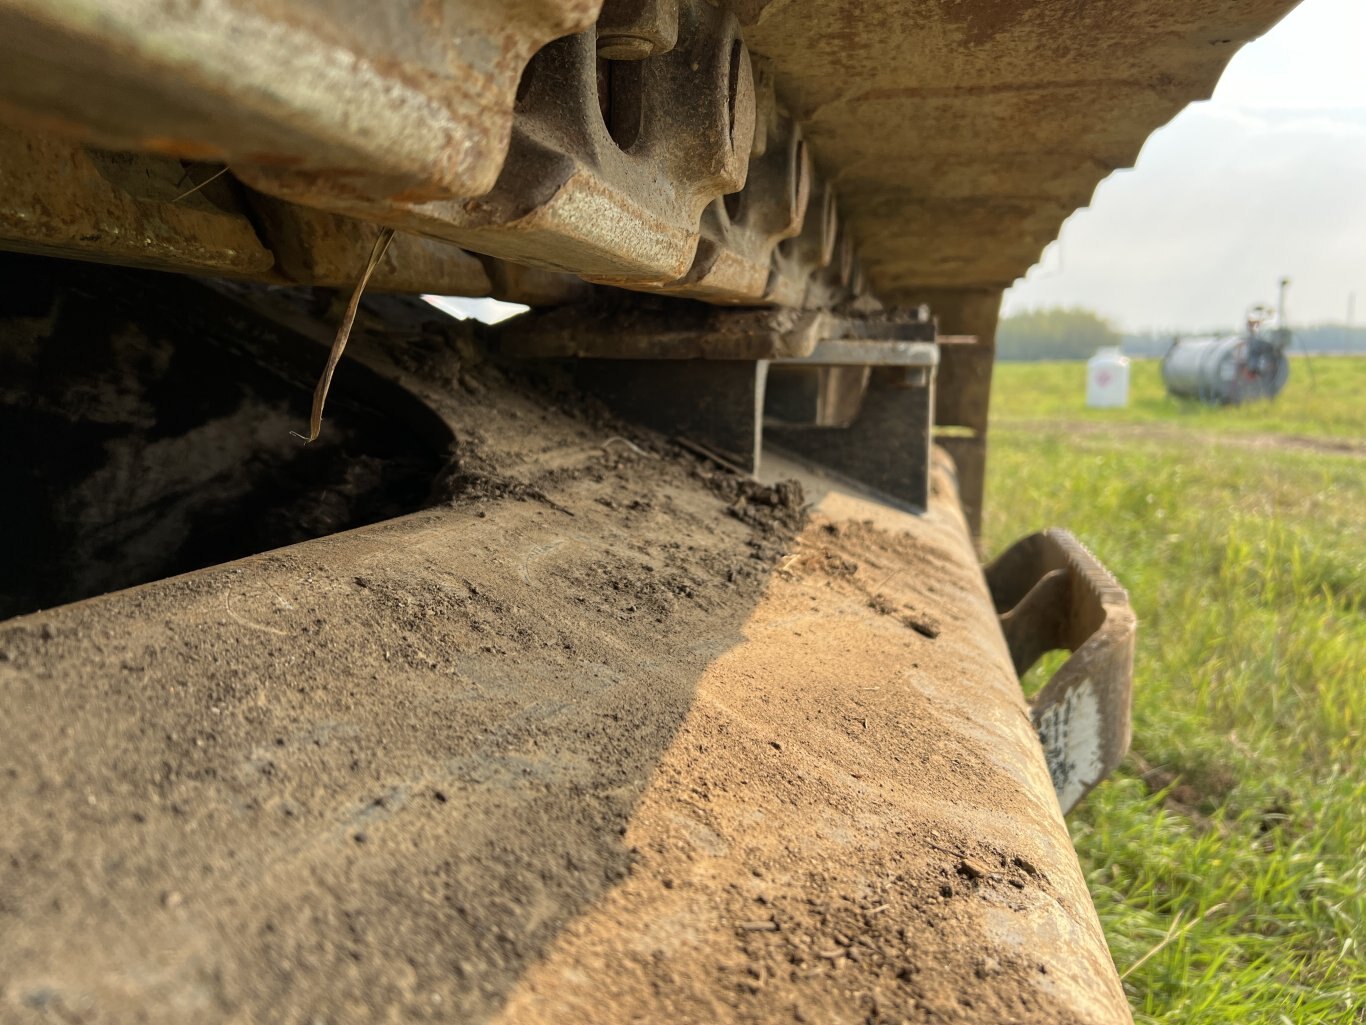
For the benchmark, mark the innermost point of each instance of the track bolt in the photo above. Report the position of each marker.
(631, 30)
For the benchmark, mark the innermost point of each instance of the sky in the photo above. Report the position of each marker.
(490, 311)
(1265, 180)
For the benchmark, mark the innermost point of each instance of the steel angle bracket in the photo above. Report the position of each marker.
(688, 369)
(826, 388)
(1051, 593)
(870, 412)
(667, 330)
(853, 392)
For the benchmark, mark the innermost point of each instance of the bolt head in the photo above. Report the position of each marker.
(625, 48)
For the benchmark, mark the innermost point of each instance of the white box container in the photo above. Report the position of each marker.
(1107, 379)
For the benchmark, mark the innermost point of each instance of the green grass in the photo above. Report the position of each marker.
(1236, 832)
(1326, 397)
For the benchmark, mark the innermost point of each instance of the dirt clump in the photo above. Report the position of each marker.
(772, 508)
(470, 477)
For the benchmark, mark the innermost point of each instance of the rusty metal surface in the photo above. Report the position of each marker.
(636, 29)
(1052, 593)
(410, 98)
(660, 329)
(516, 283)
(961, 134)
(798, 259)
(611, 167)
(740, 233)
(68, 200)
(957, 135)
(59, 198)
(318, 248)
(644, 328)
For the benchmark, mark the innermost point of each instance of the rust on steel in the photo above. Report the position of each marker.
(964, 133)
(140, 210)
(321, 248)
(740, 232)
(1052, 594)
(607, 154)
(406, 98)
(612, 163)
(600, 139)
(959, 137)
(636, 29)
(61, 199)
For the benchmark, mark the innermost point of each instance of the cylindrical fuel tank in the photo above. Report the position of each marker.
(1224, 371)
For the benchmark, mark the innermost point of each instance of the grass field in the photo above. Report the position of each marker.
(1228, 857)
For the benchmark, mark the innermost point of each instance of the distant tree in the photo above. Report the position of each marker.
(1329, 338)
(1055, 333)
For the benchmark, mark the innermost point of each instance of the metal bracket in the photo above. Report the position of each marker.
(879, 435)
(852, 392)
(1051, 593)
(669, 330)
(715, 403)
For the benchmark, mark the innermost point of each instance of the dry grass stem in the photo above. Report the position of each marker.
(315, 421)
(1173, 932)
(629, 444)
(195, 188)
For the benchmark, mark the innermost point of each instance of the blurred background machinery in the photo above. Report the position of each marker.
(1232, 369)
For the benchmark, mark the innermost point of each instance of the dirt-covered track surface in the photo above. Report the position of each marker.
(600, 738)
(977, 126)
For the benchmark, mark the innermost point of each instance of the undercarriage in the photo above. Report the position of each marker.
(631, 658)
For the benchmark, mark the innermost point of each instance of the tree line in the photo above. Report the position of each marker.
(1056, 333)
(1075, 333)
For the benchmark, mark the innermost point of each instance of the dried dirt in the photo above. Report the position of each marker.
(607, 735)
(145, 431)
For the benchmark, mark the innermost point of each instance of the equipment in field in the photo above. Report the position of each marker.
(485, 705)
(1107, 379)
(1233, 369)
